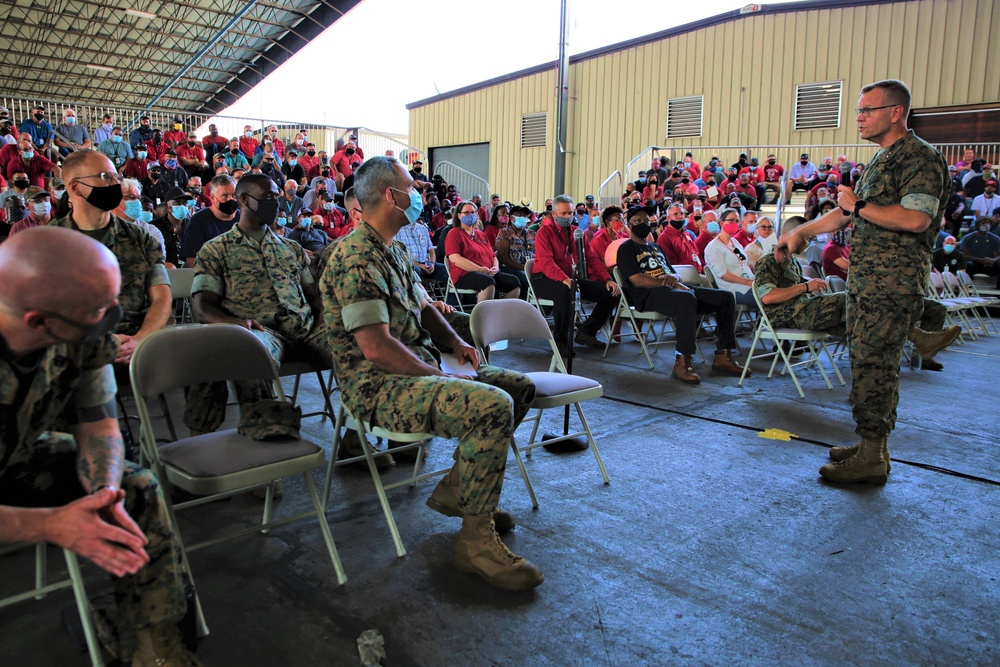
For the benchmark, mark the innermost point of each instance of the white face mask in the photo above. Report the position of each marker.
(768, 242)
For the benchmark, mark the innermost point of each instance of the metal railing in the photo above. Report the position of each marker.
(467, 183)
(380, 143)
(610, 191)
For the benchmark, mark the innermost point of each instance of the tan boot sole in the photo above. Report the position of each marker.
(499, 583)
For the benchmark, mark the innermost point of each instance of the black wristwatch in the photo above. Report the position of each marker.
(858, 205)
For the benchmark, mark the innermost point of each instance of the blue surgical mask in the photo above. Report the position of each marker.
(305, 222)
(28, 154)
(133, 208)
(713, 228)
(180, 212)
(145, 216)
(327, 207)
(170, 164)
(71, 120)
(949, 248)
(282, 222)
(142, 154)
(416, 207)
(520, 223)
(42, 209)
(292, 163)
(248, 135)
(116, 138)
(468, 220)
(58, 194)
(752, 228)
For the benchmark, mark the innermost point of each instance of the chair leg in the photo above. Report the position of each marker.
(338, 424)
(524, 472)
(41, 565)
(380, 490)
(324, 527)
(83, 606)
(593, 443)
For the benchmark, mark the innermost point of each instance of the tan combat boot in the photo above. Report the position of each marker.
(684, 370)
(162, 647)
(844, 453)
(350, 447)
(444, 499)
(928, 344)
(479, 551)
(724, 364)
(867, 465)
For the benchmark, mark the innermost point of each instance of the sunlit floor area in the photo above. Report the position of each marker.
(712, 545)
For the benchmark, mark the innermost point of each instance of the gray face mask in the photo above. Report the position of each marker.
(91, 332)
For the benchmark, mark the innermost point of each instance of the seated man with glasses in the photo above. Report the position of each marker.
(651, 284)
(94, 189)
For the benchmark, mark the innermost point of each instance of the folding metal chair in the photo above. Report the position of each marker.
(298, 368)
(181, 283)
(634, 316)
(816, 341)
(451, 289)
(42, 589)
(225, 463)
(513, 319)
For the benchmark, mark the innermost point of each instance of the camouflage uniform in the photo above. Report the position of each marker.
(815, 311)
(888, 276)
(140, 259)
(367, 283)
(263, 282)
(38, 468)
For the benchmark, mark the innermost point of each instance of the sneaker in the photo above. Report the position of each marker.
(724, 364)
(588, 340)
(350, 447)
(684, 370)
(479, 551)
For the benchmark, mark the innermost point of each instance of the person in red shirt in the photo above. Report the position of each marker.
(556, 255)
(756, 179)
(772, 175)
(135, 167)
(213, 143)
(31, 162)
(837, 255)
(653, 192)
(494, 224)
(157, 147)
(279, 145)
(708, 228)
(248, 145)
(676, 242)
(743, 186)
(191, 155)
(308, 158)
(748, 229)
(611, 228)
(357, 147)
(344, 160)
(177, 135)
(474, 265)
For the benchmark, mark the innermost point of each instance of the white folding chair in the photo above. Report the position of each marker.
(181, 283)
(634, 316)
(513, 319)
(451, 289)
(225, 463)
(529, 267)
(957, 309)
(816, 343)
(42, 589)
(969, 289)
(956, 290)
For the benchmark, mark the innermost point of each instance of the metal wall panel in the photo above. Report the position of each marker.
(746, 68)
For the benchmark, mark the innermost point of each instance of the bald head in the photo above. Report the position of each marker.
(85, 163)
(57, 269)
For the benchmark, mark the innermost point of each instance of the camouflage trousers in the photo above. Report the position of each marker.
(205, 409)
(877, 327)
(481, 414)
(154, 596)
(828, 313)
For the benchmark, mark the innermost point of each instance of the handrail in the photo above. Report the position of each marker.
(464, 177)
(600, 190)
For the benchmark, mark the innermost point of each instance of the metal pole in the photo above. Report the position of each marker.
(561, 102)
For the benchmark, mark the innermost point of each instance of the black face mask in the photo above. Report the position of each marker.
(39, 116)
(325, 172)
(685, 180)
(804, 162)
(418, 169)
(677, 224)
(310, 153)
(154, 175)
(21, 184)
(234, 151)
(731, 177)
(771, 162)
(267, 210)
(350, 151)
(105, 198)
(548, 207)
(228, 207)
(641, 230)
(91, 332)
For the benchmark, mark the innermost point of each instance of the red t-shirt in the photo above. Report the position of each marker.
(475, 248)
(701, 243)
(248, 147)
(208, 141)
(135, 168)
(831, 252)
(157, 151)
(175, 137)
(185, 152)
(36, 169)
(491, 232)
(743, 238)
(679, 247)
(756, 175)
(773, 174)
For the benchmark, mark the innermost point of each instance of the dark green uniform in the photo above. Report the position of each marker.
(813, 310)
(140, 258)
(38, 468)
(889, 272)
(366, 282)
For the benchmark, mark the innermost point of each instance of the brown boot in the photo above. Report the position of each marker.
(405, 456)
(867, 465)
(724, 364)
(350, 447)
(844, 453)
(479, 551)
(684, 370)
(444, 500)
(162, 647)
(928, 344)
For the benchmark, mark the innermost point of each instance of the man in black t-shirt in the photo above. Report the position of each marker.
(651, 284)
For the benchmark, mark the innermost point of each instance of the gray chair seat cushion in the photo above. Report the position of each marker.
(227, 452)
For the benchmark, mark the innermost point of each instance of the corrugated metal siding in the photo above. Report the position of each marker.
(618, 101)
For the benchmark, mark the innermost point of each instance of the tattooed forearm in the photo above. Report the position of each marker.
(100, 460)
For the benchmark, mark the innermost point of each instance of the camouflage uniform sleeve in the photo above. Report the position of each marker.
(919, 185)
(765, 275)
(157, 274)
(97, 383)
(305, 275)
(363, 294)
(208, 270)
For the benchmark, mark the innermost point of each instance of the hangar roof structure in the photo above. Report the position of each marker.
(195, 56)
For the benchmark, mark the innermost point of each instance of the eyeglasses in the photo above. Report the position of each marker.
(867, 111)
(730, 219)
(106, 177)
(131, 197)
(764, 227)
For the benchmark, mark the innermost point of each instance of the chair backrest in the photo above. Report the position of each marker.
(451, 283)
(504, 319)
(937, 282)
(711, 277)
(837, 284)
(689, 274)
(181, 282)
(182, 356)
(809, 272)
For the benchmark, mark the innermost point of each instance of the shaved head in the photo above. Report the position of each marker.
(85, 163)
(57, 269)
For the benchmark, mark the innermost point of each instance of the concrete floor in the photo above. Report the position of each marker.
(711, 545)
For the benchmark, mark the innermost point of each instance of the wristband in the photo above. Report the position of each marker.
(111, 487)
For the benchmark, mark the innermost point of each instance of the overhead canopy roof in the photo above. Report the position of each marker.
(195, 56)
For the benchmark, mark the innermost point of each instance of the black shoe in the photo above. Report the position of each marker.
(583, 338)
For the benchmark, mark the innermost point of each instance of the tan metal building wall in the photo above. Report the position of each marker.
(746, 67)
